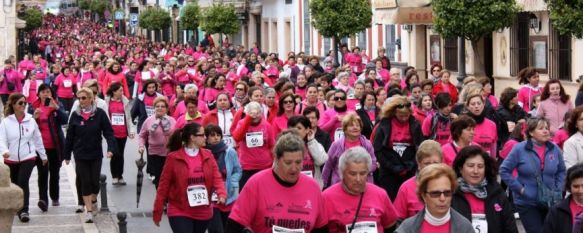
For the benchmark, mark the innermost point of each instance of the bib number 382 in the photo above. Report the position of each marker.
(197, 195)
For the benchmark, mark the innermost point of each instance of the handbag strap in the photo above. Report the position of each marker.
(537, 170)
(357, 211)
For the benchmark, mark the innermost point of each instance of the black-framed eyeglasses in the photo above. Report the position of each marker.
(82, 97)
(404, 105)
(337, 98)
(21, 103)
(288, 102)
(437, 194)
(199, 135)
(240, 89)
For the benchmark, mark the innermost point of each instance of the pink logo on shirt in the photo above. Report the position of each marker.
(552, 157)
(497, 207)
(373, 213)
(308, 204)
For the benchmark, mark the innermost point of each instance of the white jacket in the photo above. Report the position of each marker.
(319, 156)
(21, 140)
(573, 150)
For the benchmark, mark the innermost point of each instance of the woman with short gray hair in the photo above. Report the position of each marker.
(354, 191)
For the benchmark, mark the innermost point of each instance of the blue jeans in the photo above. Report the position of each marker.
(532, 217)
(187, 225)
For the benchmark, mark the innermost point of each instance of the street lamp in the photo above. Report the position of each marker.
(407, 27)
(7, 6)
(534, 23)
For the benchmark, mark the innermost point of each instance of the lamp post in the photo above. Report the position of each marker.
(7, 8)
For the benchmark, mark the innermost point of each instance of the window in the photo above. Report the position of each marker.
(539, 54)
(519, 39)
(287, 2)
(450, 51)
(560, 56)
(390, 44)
(362, 40)
(307, 27)
(327, 45)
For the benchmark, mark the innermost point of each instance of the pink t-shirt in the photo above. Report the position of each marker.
(486, 136)
(406, 203)
(308, 161)
(443, 133)
(351, 143)
(476, 204)
(65, 86)
(353, 104)
(428, 228)
(575, 209)
(526, 96)
(45, 131)
(195, 177)
(560, 137)
(540, 151)
(264, 203)
(341, 208)
(116, 111)
(400, 132)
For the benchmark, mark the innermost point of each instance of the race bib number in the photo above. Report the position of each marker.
(197, 195)
(400, 147)
(338, 134)
(191, 72)
(117, 119)
(146, 75)
(229, 141)
(308, 173)
(149, 110)
(254, 139)
(278, 229)
(363, 227)
(354, 69)
(357, 106)
(479, 223)
(67, 83)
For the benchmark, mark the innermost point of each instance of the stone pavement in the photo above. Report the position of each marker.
(62, 219)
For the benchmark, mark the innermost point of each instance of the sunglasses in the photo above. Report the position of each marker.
(405, 105)
(190, 61)
(82, 97)
(21, 103)
(240, 89)
(339, 98)
(199, 135)
(288, 102)
(437, 194)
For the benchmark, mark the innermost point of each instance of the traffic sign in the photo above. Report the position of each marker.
(119, 15)
(133, 19)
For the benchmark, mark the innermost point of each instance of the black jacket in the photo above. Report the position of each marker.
(559, 219)
(56, 120)
(323, 138)
(394, 168)
(579, 97)
(366, 121)
(84, 136)
(499, 213)
(515, 114)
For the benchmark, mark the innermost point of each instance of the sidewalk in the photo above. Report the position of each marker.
(62, 219)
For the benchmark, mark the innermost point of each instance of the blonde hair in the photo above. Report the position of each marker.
(428, 148)
(87, 91)
(432, 172)
(389, 108)
(162, 99)
(468, 90)
(350, 119)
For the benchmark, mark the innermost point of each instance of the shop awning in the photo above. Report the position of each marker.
(402, 12)
(532, 5)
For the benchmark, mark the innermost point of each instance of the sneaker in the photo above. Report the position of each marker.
(56, 203)
(151, 177)
(80, 209)
(115, 181)
(43, 205)
(23, 216)
(121, 181)
(88, 217)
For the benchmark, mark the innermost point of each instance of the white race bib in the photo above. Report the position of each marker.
(197, 195)
(67, 83)
(117, 119)
(254, 139)
(363, 227)
(357, 106)
(338, 134)
(229, 141)
(191, 71)
(354, 69)
(38, 83)
(400, 147)
(146, 75)
(149, 110)
(308, 173)
(278, 229)
(214, 197)
(479, 223)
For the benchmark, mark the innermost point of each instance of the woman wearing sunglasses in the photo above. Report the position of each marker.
(20, 140)
(331, 121)
(435, 186)
(395, 141)
(287, 106)
(479, 197)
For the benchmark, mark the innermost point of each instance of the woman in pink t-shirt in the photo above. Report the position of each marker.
(565, 217)
(354, 203)
(462, 135)
(479, 197)
(287, 106)
(407, 204)
(528, 77)
(485, 131)
(435, 186)
(282, 198)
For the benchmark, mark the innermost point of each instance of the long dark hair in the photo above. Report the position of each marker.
(43, 87)
(547, 91)
(112, 88)
(181, 137)
(280, 111)
(525, 74)
(12, 99)
(491, 170)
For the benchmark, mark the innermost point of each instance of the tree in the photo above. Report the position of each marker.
(154, 19)
(189, 17)
(85, 4)
(472, 20)
(220, 18)
(340, 18)
(33, 18)
(99, 6)
(567, 17)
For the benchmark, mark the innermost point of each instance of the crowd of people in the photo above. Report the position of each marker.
(240, 140)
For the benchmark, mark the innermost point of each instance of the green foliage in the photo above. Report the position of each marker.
(154, 19)
(472, 19)
(33, 18)
(85, 4)
(189, 19)
(220, 18)
(99, 6)
(567, 17)
(340, 18)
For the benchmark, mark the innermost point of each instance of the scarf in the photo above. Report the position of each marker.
(370, 109)
(218, 151)
(341, 110)
(163, 122)
(478, 190)
(479, 118)
(440, 121)
(555, 98)
(436, 221)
